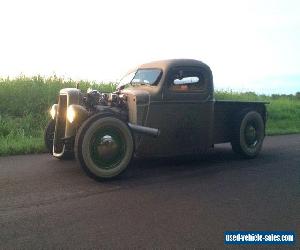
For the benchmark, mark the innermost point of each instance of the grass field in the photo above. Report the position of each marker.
(24, 105)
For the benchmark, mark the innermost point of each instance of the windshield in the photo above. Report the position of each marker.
(140, 77)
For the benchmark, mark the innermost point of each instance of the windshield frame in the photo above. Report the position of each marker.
(133, 84)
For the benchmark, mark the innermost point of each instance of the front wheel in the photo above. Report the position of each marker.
(49, 136)
(248, 134)
(104, 146)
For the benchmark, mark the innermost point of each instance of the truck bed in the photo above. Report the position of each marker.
(225, 113)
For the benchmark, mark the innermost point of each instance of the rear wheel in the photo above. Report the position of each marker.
(104, 147)
(248, 134)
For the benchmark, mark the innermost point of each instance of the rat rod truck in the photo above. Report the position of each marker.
(162, 108)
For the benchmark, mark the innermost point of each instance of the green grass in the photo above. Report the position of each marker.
(25, 101)
(283, 116)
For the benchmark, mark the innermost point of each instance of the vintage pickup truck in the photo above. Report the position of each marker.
(162, 108)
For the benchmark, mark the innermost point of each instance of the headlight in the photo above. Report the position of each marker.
(53, 111)
(71, 114)
(76, 113)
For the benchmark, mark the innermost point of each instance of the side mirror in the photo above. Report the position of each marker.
(186, 80)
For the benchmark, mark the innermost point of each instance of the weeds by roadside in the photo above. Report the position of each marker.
(25, 101)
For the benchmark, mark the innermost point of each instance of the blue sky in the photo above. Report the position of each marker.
(250, 45)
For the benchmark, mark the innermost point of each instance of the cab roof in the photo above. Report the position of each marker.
(170, 63)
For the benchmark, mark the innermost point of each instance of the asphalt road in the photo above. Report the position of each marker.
(162, 203)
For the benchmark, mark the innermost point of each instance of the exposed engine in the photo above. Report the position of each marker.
(94, 98)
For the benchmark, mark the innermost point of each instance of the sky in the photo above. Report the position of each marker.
(249, 45)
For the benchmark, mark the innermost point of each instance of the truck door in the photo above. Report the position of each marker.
(187, 110)
(184, 114)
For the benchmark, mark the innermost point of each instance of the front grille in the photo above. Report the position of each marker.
(60, 125)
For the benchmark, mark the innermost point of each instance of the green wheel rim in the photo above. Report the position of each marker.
(107, 147)
(251, 135)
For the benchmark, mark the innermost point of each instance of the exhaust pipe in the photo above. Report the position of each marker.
(144, 130)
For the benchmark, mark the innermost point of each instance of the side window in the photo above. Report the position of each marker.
(186, 80)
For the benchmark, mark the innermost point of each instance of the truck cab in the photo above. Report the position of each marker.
(180, 104)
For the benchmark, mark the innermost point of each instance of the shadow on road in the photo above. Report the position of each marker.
(143, 171)
(209, 163)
